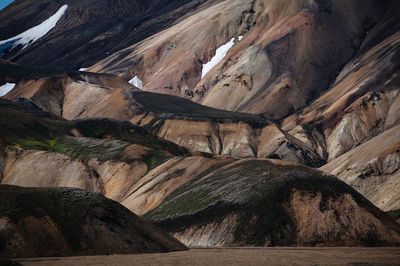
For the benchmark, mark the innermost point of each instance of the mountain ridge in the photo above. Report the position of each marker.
(226, 123)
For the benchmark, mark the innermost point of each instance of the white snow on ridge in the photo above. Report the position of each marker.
(220, 53)
(135, 81)
(6, 88)
(37, 32)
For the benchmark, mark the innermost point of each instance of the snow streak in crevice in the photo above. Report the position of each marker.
(6, 88)
(135, 81)
(33, 34)
(220, 53)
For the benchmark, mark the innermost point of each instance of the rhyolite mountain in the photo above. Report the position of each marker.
(283, 42)
(235, 99)
(173, 187)
(373, 171)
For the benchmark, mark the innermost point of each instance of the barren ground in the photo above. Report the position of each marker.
(240, 256)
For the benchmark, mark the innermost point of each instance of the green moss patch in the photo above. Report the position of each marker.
(394, 214)
(27, 127)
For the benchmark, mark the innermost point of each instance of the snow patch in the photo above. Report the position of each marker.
(37, 32)
(83, 69)
(220, 53)
(6, 88)
(135, 81)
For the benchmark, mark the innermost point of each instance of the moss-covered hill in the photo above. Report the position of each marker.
(258, 203)
(60, 221)
(24, 125)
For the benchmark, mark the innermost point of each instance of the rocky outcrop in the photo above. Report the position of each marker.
(373, 169)
(261, 203)
(362, 103)
(37, 222)
(51, 170)
(235, 139)
(358, 117)
(61, 94)
(98, 155)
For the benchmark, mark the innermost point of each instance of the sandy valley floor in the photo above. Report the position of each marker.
(240, 256)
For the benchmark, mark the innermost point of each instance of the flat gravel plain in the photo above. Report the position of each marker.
(238, 256)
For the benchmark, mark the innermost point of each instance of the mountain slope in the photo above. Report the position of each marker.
(147, 174)
(316, 140)
(179, 102)
(89, 30)
(39, 222)
(283, 49)
(196, 127)
(359, 116)
(290, 49)
(259, 203)
(372, 168)
(99, 155)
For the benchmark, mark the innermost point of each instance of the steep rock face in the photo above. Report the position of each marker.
(58, 171)
(371, 114)
(73, 95)
(38, 222)
(358, 117)
(373, 169)
(366, 87)
(361, 104)
(112, 176)
(290, 49)
(99, 155)
(234, 139)
(118, 176)
(259, 203)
